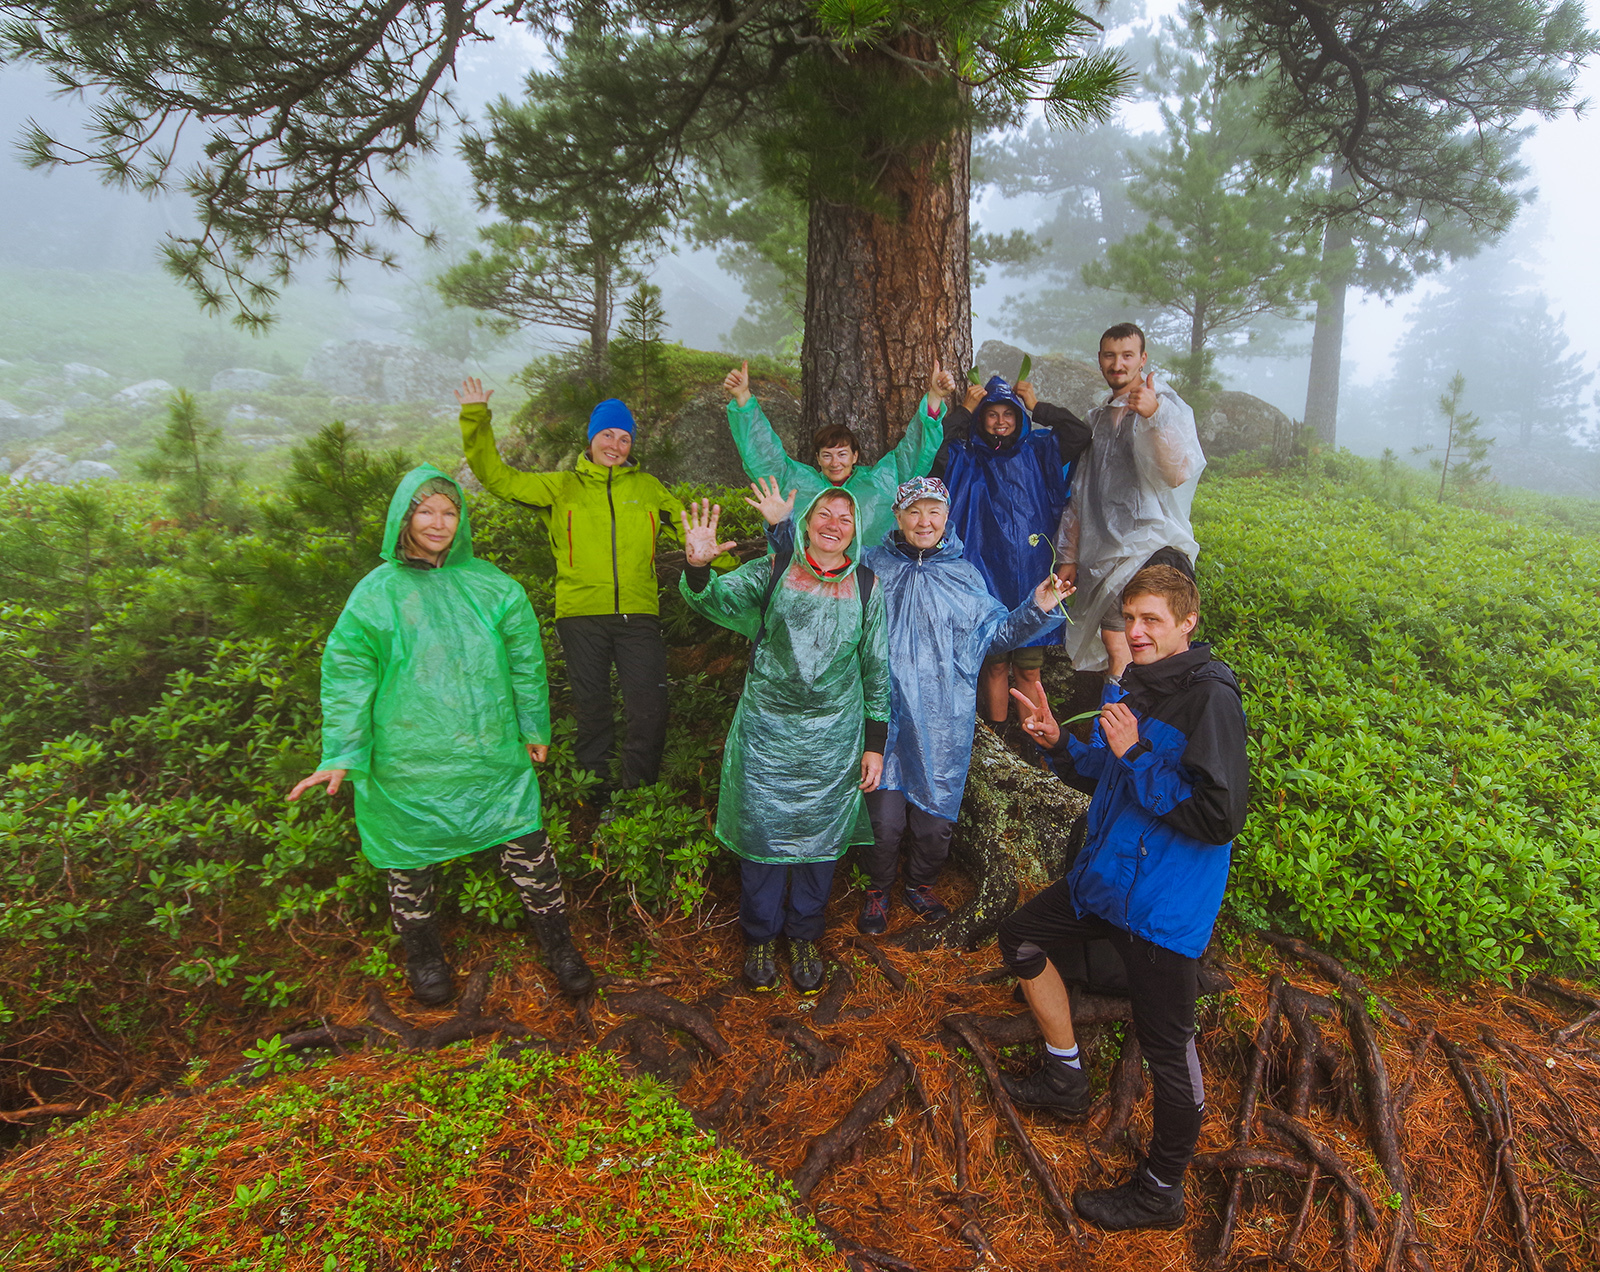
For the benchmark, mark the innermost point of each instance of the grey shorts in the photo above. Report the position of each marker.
(1113, 621)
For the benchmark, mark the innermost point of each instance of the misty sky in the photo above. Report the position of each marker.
(68, 217)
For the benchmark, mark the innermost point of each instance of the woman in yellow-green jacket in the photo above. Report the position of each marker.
(604, 516)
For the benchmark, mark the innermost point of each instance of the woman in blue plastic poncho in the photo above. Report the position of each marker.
(434, 703)
(807, 737)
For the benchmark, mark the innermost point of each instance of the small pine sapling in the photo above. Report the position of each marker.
(1466, 454)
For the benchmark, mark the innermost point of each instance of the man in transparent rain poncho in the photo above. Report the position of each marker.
(1130, 501)
(808, 735)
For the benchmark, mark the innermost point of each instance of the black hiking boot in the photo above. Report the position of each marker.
(1139, 1203)
(874, 920)
(1055, 1084)
(922, 900)
(761, 965)
(561, 955)
(805, 966)
(427, 973)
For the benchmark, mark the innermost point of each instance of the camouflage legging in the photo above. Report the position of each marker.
(528, 862)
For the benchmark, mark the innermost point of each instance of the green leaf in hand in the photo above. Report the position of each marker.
(974, 376)
(1027, 366)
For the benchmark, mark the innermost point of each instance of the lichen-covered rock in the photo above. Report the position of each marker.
(695, 445)
(18, 427)
(1241, 422)
(78, 372)
(87, 470)
(243, 380)
(1015, 828)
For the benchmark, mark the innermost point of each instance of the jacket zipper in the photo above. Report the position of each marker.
(616, 579)
(569, 538)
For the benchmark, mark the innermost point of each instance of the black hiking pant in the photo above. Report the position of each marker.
(593, 644)
(1162, 987)
(790, 899)
(892, 815)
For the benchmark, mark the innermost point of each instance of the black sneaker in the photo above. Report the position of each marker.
(761, 965)
(922, 900)
(1139, 1203)
(874, 920)
(1055, 1084)
(805, 966)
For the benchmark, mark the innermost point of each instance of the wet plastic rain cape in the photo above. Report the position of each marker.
(872, 485)
(942, 624)
(433, 684)
(1001, 497)
(792, 760)
(1131, 497)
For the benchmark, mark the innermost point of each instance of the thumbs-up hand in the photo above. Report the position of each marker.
(737, 384)
(1142, 397)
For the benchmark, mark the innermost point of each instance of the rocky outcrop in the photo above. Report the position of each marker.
(1242, 422)
(144, 393)
(383, 374)
(17, 426)
(695, 444)
(1067, 382)
(54, 469)
(243, 380)
(80, 372)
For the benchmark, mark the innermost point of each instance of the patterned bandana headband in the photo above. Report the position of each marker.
(919, 488)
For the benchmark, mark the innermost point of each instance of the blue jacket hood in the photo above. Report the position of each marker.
(997, 390)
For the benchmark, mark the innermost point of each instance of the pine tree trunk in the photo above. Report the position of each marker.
(600, 318)
(885, 295)
(1327, 339)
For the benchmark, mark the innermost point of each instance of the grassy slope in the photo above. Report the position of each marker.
(1424, 686)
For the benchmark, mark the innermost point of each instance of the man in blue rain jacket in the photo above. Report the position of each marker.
(1172, 785)
(1007, 490)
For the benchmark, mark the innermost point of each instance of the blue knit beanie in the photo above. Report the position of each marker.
(611, 413)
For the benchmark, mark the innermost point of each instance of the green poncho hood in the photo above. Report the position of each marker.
(400, 511)
(803, 533)
(433, 686)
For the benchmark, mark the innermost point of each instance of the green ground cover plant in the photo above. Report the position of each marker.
(1423, 685)
(452, 1159)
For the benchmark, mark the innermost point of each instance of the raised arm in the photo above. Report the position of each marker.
(1166, 446)
(915, 453)
(730, 600)
(760, 448)
(499, 478)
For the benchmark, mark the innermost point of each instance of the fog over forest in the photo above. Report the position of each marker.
(81, 273)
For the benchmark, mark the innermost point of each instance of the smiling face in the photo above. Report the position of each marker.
(830, 528)
(999, 419)
(611, 447)
(837, 463)
(922, 522)
(1153, 633)
(1122, 362)
(432, 528)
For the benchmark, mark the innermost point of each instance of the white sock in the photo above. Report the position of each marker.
(1068, 1057)
(1154, 1180)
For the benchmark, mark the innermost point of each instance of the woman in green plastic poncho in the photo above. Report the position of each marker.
(807, 738)
(434, 703)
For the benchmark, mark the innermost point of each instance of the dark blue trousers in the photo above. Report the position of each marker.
(762, 909)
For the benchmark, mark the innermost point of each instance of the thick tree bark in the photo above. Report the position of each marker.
(1327, 339)
(885, 294)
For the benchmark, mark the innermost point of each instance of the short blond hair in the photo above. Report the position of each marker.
(1167, 581)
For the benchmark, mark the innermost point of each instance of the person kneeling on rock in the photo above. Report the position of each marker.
(807, 736)
(1172, 788)
(435, 705)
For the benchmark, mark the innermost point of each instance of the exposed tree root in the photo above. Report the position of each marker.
(828, 1147)
(880, 960)
(833, 998)
(862, 1258)
(819, 1056)
(1323, 1154)
(644, 1046)
(1241, 1159)
(1244, 1126)
(1037, 1166)
(667, 1010)
(971, 1229)
(1127, 1086)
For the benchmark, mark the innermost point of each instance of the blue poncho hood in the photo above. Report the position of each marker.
(997, 390)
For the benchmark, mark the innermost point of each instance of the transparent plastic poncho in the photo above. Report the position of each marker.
(791, 766)
(433, 686)
(942, 624)
(1131, 495)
